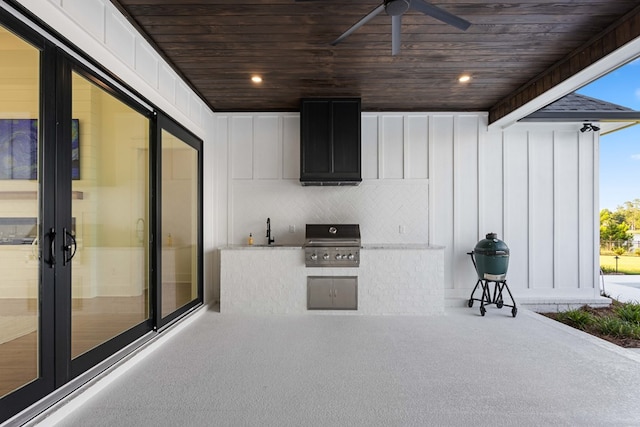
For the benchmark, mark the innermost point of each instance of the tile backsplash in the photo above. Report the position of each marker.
(387, 211)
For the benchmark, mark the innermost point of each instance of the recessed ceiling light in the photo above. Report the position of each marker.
(464, 78)
(256, 79)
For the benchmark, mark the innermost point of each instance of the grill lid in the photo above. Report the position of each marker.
(332, 235)
(491, 246)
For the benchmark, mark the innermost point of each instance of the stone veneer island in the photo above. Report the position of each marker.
(392, 280)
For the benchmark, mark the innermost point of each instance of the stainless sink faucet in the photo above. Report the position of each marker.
(270, 239)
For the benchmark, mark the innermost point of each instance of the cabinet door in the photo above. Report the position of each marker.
(315, 123)
(319, 293)
(330, 139)
(346, 137)
(345, 293)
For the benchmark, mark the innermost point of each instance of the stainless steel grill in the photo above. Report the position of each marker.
(332, 245)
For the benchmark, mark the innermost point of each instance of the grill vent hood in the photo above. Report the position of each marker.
(330, 134)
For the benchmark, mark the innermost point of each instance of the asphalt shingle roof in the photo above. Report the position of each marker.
(576, 102)
(575, 107)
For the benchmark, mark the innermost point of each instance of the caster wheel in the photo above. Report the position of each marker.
(500, 304)
(470, 303)
(514, 311)
(482, 311)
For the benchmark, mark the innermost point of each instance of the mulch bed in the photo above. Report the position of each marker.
(602, 312)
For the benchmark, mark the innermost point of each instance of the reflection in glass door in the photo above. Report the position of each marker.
(76, 220)
(19, 213)
(180, 223)
(110, 216)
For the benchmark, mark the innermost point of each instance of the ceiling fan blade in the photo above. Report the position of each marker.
(440, 14)
(359, 24)
(396, 34)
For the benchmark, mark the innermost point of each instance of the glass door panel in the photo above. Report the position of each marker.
(19, 213)
(180, 213)
(110, 217)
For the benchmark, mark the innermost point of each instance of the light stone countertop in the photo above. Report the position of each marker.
(263, 247)
(370, 246)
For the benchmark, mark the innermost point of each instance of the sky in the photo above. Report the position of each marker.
(620, 150)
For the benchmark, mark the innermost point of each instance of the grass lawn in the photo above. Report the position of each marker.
(627, 264)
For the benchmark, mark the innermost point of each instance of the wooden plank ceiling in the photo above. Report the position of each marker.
(218, 45)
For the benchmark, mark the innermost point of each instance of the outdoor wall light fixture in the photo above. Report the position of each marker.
(588, 127)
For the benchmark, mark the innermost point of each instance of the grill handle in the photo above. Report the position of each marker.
(490, 252)
(331, 242)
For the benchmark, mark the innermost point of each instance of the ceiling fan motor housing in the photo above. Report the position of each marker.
(396, 7)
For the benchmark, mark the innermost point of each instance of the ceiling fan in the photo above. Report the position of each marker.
(397, 8)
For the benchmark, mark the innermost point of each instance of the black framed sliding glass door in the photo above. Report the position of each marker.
(74, 218)
(179, 251)
(26, 184)
(109, 180)
(100, 217)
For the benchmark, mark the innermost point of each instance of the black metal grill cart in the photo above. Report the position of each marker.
(490, 259)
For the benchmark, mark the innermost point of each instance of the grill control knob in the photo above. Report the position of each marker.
(338, 256)
(325, 257)
(314, 257)
(351, 257)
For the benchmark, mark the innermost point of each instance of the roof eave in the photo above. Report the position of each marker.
(582, 116)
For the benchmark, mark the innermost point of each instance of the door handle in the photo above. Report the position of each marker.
(52, 247)
(69, 248)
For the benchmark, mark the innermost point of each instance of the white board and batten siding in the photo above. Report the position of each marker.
(535, 185)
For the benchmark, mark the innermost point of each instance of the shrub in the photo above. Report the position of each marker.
(619, 251)
(637, 251)
(629, 312)
(617, 328)
(579, 318)
(607, 269)
(619, 323)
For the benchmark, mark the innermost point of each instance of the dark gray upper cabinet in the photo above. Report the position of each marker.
(330, 141)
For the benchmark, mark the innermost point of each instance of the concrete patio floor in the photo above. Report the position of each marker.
(313, 370)
(624, 288)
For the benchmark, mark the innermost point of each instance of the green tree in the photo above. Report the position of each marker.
(613, 228)
(631, 212)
